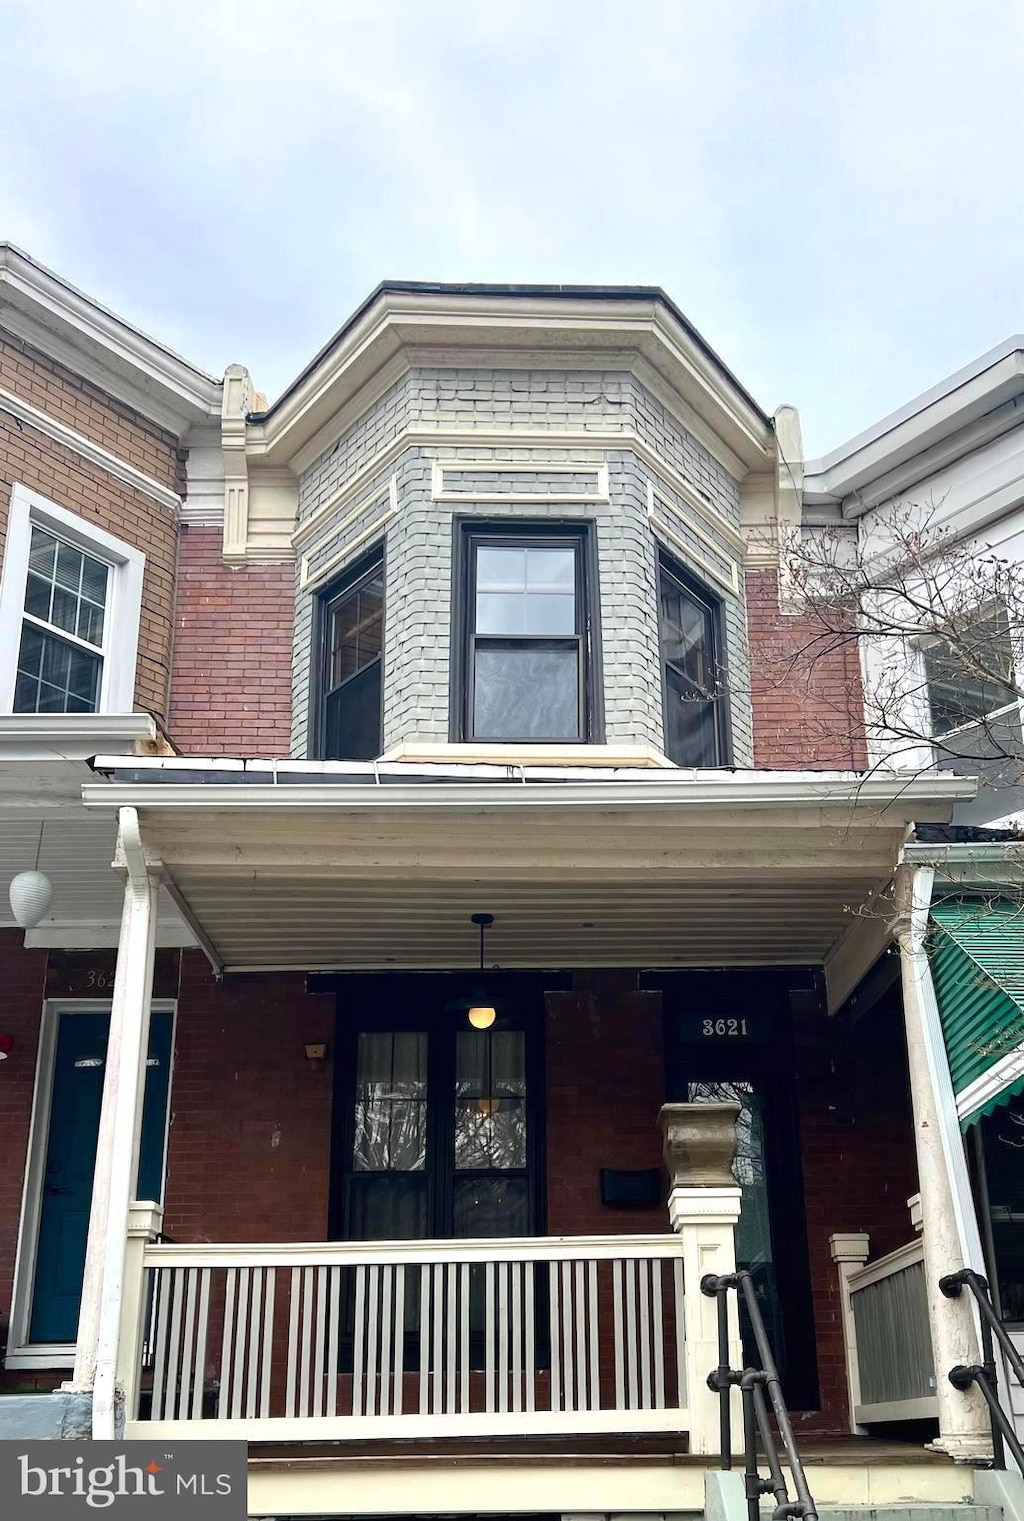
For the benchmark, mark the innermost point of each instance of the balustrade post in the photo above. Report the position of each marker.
(145, 1219)
(704, 1206)
(850, 1252)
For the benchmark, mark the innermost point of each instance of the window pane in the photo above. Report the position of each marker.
(356, 629)
(501, 570)
(388, 1207)
(352, 718)
(490, 1109)
(55, 677)
(691, 731)
(526, 693)
(42, 553)
(66, 587)
(551, 570)
(491, 1207)
(37, 597)
(391, 1102)
(686, 633)
(526, 591)
(958, 692)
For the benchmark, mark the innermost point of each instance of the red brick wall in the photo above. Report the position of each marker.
(31, 459)
(605, 1084)
(231, 692)
(859, 1165)
(806, 693)
(250, 1137)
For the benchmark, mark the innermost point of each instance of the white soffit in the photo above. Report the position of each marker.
(76, 853)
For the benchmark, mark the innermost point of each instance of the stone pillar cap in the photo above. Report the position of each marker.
(699, 1144)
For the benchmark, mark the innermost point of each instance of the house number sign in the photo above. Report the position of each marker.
(699, 1026)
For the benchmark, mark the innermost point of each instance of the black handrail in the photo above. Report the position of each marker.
(985, 1373)
(752, 1384)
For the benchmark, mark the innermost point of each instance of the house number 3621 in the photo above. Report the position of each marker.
(723, 1027)
(102, 980)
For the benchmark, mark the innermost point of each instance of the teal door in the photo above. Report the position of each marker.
(77, 1093)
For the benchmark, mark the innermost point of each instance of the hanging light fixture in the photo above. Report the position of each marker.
(481, 1013)
(30, 893)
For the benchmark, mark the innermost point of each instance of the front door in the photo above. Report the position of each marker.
(439, 1124)
(76, 1097)
(729, 1038)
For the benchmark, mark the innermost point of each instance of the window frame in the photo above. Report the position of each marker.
(392, 1001)
(343, 585)
(122, 617)
(922, 644)
(472, 533)
(668, 565)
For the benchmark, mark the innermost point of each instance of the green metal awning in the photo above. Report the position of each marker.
(977, 960)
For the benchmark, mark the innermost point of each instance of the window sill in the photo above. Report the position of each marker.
(42, 1356)
(528, 755)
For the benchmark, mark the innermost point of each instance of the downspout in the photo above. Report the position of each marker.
(120, 1119)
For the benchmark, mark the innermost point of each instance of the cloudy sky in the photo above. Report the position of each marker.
(832, 190)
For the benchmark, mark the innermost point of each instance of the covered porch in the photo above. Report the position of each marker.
(777, 882)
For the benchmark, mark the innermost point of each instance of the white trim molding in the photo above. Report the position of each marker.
(44, 310)
(443, 467)
(119, 650)
(660, 511)
(86, 449)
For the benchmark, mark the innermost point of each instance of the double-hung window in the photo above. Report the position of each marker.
(970, 680)
(352, 621)
(70, 602)
(525, 656)
(695, 730)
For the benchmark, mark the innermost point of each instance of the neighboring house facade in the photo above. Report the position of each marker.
(945, 475)
(470, 807)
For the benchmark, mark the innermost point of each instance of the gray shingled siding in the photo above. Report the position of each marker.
(419, 537)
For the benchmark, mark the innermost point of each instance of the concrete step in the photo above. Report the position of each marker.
(936, 1512)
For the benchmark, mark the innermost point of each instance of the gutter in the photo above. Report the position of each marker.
(776, 790)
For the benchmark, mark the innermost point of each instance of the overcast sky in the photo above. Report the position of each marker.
(832, 190)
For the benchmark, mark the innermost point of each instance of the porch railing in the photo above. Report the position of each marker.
(419, 1338)
(889, 1341)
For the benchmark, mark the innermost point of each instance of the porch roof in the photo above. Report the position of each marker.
(335, 866)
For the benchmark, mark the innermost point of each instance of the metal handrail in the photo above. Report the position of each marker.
(985, 1373)
(752, 1384)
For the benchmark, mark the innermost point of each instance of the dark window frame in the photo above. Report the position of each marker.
(400, 1001)
(333, 592)
(669, 566)
(471, 533)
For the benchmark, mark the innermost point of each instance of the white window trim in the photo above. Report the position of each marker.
(124, 596)
(21, 1353)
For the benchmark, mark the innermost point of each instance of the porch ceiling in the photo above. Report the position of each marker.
(324, 878)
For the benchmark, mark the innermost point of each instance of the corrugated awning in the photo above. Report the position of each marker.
(977, 958)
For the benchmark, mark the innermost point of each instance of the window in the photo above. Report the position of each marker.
(70, 600)
(526, 653)
(353, 626)
(439, 1124)
(694, 715)
(975, 678)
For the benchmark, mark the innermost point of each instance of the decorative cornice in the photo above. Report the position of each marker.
(396, 321)
(92, 341)
(60, 433)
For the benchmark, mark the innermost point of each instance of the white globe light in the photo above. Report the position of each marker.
(30, 895)
(482, 1016)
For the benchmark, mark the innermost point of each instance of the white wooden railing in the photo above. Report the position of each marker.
(420, 1338)
(890, 1364)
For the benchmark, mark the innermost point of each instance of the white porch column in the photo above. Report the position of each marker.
(950, 1231)
(120, 1122)
(704, 1206)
